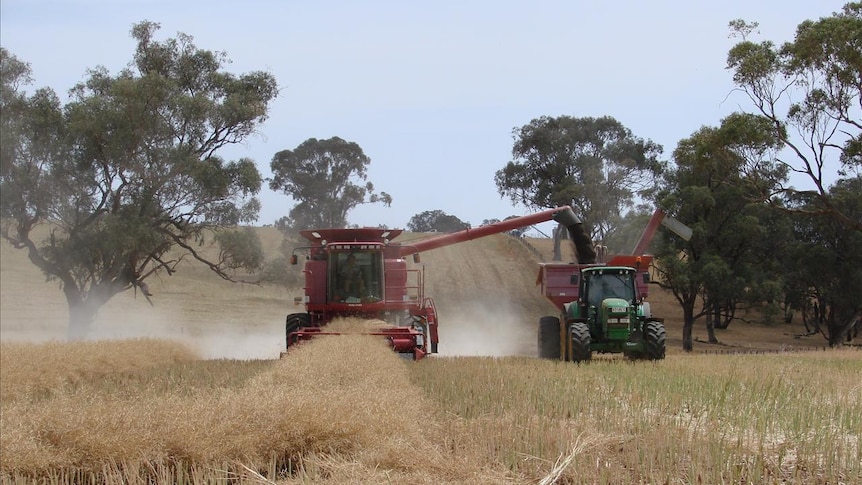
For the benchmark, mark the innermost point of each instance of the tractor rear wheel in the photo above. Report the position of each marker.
(294, 322)
(579, 334)
(654, 340)
(549, 338)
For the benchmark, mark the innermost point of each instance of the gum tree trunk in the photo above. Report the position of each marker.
(81, 317)
(713, 319)
(83, 307)
(687, 326)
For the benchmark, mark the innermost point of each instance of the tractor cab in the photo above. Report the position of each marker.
(355, 273)
(601, 284)
(608, 298)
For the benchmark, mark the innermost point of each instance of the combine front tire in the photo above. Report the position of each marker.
(654, 340)
(294, 322)
(549, 338)
(579, 333)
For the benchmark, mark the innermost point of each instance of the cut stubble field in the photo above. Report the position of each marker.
(191, 390)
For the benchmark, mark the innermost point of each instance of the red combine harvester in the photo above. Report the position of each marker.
(362, 273)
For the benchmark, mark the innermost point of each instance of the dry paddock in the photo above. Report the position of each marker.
(347, 410)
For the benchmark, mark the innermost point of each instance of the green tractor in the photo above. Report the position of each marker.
(603, 306)
(609, 316)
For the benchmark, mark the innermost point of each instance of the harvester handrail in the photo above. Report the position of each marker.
(416, 286)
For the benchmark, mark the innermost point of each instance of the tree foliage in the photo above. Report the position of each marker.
(811, 92)
(823, 279)
(517, 232)
(595, 165)
(708, 191)
(128, 169)
(436, 221)
(239, 249)
(327, 178)
(628, 229)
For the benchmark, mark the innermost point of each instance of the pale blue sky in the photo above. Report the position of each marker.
(431, 91)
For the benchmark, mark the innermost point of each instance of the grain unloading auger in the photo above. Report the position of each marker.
(363, 273)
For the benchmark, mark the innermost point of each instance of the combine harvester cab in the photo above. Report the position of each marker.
(363, 273)
(603, 306)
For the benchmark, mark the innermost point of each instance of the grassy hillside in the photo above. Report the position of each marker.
(484, 290)
(219, 318)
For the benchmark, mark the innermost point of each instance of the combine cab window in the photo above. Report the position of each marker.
(610, 285)
(355, 276)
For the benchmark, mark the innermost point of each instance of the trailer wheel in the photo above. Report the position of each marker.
(654, 334)
(294, 322)
(549, 338)
(579, 334)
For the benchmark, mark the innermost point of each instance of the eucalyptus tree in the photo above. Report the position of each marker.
(595, 165)
(436, 221)
(327, 178)
(126, 177)
(810, 90)
(628, 228)
(824, 279)
(708, 191)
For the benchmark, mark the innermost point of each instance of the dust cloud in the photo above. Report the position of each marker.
(215, 319)
(215, 339)
(211, 340)
(476, 328)
(486, 328)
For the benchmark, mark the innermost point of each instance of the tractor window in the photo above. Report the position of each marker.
(355, 276)
(608, 285)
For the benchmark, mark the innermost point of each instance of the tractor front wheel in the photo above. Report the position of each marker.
(654, 336)
(579, 334)
(549, 338)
